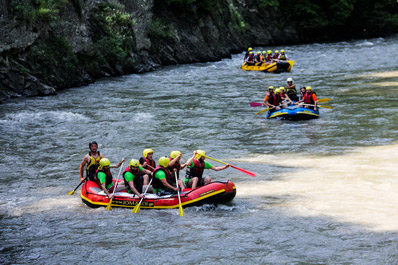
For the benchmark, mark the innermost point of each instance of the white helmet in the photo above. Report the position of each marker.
(289, 79)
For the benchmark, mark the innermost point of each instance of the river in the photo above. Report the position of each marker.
(325, 191)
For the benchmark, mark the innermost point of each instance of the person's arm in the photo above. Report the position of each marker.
(177, 159)
(183, 166)
(134, 190)
(118, 164)
(189, 161)
(146, 171)
(102, 177)
(265, 103)
(219, 168)
(166, 184)
(315, 101)
(82, 164)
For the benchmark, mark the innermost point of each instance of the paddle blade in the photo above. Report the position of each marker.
(256, 104)
(323, 100)
(327, 107)
(261, 111)
(181, 210)
(136, 208)
(70, 193)
(244, 171)
(109, 207)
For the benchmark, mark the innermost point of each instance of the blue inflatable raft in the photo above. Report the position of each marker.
(293, 112)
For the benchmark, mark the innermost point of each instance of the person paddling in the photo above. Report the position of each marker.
(196, 166)
(147, 161)
(90, 161)
(175, 166)
(160, 176)
(104, 178)
(309, 98)
(272, 100)
(134, 176)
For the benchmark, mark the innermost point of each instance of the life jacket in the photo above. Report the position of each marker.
(262, 58)
(269, 58)
(177, 167)
(156, 183)
(282, 57)
(108, 180)
(196, 171)
(308, 98)
(257, 58)
(151, 163)
(250, 59)
(137, 180)
(282, 95)
(275, 56)
(291, 91)
(93, 165)
(274, 99)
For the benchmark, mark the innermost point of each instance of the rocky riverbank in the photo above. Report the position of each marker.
(49, 45)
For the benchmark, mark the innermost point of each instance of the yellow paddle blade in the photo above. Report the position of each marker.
(136, 208)
(323, 100)
(181, 210)
(70, 193)
(109, 207)
(261, 111)
(327, 107)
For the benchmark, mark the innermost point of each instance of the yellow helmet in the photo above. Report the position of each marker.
(146, 152)
(281, 88)
(308, 88)
(278, 90)
(250, 49)
(199, 154)
(250, 52)
(269, 52)
(276, 51)
(174, 154)
(264, 52)
(282, 51)
(271, 87)
(258, 52)
(134, 163)
(104, 162)
(164, 161)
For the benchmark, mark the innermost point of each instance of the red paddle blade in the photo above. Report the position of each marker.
(244, 171)
(256, 104)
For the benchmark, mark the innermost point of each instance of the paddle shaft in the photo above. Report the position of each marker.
(137, 207)
(81, 182)
(179, 197)
(114, 189)
(321, 106)
(240, 169)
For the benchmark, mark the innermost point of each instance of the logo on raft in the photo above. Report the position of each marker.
(133, 203)
(205, 193)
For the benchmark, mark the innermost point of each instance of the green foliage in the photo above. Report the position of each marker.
(270, 4)
(158, 29)
(36, 10)
(241, 25)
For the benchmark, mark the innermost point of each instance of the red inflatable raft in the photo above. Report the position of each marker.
(217, 192)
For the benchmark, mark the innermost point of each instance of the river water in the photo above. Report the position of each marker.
(325, 191)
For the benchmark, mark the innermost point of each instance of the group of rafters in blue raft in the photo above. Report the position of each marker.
(283, 102)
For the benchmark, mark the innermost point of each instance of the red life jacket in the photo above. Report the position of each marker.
(137, 180)
(156, 183)
(269, 58)
(275, 56)
(250, 59)
(274, 99)
(151, 163)
(196, 171)
(108, 180)
(176, 166)
(308, 98)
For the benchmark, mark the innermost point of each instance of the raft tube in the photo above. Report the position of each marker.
(217, 192)
(294, 113)
(277, 67)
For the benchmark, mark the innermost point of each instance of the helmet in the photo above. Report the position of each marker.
(91, 143)
(276, 51)
(104, 162)
(250, 52)
(271, 87)
(164, 161)
(146, 152)
(289, 79)
(278, 90)
(282, 51)
(264, 52)
(250, 49)
(258, 52)
(308, 88)
(200, 153)
(281, 88)
(174, 154)
(134, 163)
(269, 52)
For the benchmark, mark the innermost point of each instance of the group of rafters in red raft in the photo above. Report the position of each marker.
(143, 184)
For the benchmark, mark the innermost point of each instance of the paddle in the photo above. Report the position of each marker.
(323, 100)
(81, 182)
(264, 110)
(109, 207)
(256, 104)
(240, 169)
(136, 208)
(321, 106)
(179, 197)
